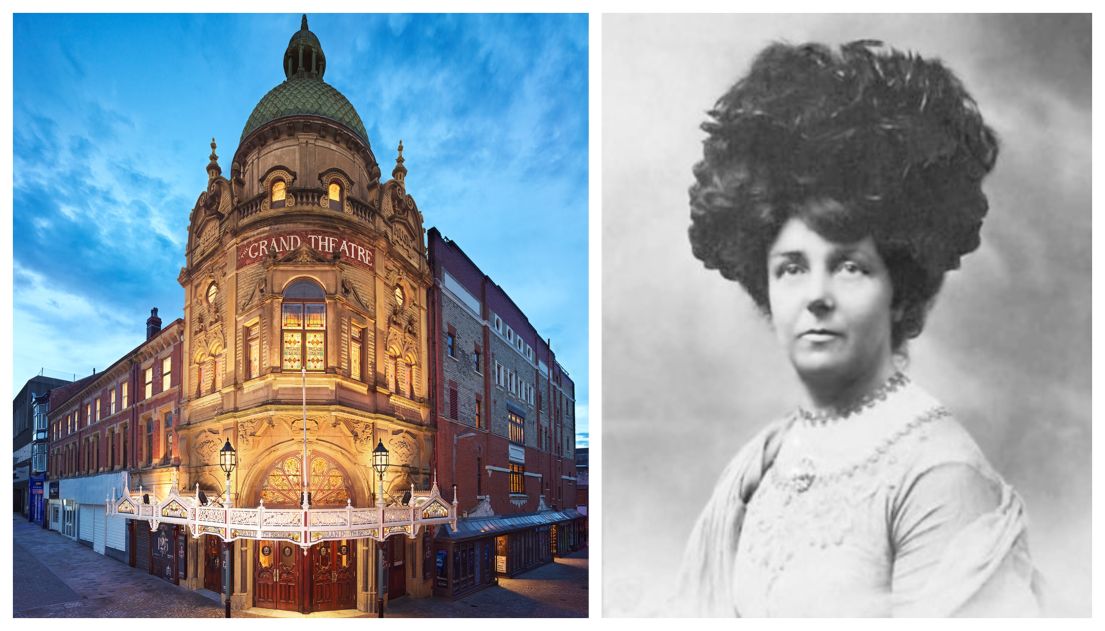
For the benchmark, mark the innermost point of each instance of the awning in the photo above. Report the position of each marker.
(476, 527)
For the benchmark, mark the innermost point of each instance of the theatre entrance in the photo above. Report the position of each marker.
(276, 575)
(327, 575)
(333, 575)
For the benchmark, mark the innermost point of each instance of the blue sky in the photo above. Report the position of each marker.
(113, 115)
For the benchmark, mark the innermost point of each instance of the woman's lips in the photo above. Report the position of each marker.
(819, 335)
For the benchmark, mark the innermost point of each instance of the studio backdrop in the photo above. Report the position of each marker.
(691, 369)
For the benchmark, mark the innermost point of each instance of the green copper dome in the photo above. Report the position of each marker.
(304, 93)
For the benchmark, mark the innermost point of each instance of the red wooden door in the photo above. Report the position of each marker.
(333, 575)
(397, 566)
(213, 563)
(276, 575)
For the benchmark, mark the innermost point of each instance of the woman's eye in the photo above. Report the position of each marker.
(789, 269)
(851, 267)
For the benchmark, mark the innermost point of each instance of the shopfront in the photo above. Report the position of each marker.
(472, 555)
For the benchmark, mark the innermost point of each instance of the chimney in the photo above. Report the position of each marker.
(153, 324)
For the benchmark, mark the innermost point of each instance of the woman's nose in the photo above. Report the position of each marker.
(820, 300)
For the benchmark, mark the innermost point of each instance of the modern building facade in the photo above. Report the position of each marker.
(504, 409)
(29, 446)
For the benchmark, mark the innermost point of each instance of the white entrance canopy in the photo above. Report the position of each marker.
(302, 526)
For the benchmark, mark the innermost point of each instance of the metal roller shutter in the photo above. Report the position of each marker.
(142, 545)
(99, 529)
(116, 533)
(85, 523)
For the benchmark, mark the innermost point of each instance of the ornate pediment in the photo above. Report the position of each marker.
(305, 254)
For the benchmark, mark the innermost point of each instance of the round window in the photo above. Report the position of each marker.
(212, 292)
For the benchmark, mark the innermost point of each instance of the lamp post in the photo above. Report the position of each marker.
(380, 464)
(228, 459)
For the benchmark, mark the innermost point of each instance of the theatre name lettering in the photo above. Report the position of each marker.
(325, 244)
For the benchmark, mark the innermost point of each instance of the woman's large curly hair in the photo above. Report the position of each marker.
(893, 139)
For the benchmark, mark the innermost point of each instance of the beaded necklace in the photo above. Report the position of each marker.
(825, 417)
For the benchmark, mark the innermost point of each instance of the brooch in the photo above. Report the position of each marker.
(803, 476)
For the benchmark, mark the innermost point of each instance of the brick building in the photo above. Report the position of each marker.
(111, 424)
(505, 415)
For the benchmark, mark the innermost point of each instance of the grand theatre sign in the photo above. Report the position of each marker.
(325, 244)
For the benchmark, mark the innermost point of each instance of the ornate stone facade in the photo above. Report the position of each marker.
(303, 235)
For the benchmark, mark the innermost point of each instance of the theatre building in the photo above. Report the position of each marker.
(305, 290)
(505, 415)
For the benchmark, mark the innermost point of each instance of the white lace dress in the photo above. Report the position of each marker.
(892, 510)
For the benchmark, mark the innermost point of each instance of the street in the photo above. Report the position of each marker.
(56, 577)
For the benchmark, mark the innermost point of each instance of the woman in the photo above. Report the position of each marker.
(837, 189)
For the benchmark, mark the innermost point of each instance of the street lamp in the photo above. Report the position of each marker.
(228, 459)
(380, 464)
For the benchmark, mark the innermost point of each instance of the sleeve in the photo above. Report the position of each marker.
(958, 545)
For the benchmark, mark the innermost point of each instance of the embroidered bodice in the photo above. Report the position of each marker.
(857, 515)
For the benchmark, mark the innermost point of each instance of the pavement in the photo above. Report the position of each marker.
(56, 577)
(553, 590)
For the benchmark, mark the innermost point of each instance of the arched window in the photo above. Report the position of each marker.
(334, 192)
(303, 326)
(279, 192)
(283, 486)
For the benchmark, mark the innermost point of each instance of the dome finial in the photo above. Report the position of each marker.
(213, 168)
(400, 171)
(304, 57)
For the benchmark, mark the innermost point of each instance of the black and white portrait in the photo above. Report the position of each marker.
(846, 315)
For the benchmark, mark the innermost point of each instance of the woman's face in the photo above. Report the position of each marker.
(830, 306)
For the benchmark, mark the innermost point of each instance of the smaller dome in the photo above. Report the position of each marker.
(304, 56)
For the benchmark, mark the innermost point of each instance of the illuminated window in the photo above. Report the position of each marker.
(517, 478)
(125, 397)
(149, 382)
(517, 428)
(304, 327)
(212, 293)
(166, 373)
(113, 400)
(253, 356)
(87, 414)
(398, 296)
(334, 193)
(98, 408)
(355, 342)
(279, 193)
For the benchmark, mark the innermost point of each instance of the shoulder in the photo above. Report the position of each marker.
(942, 470)
(937, 439)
